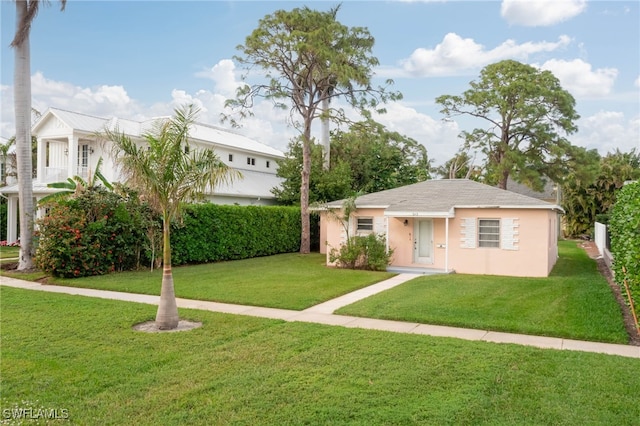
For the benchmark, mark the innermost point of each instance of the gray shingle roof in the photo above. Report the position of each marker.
(441, 197)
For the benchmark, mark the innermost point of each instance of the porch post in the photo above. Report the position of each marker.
(41, 160)
(72, 153)
(446, 246)
(386, 231)
(12, 219)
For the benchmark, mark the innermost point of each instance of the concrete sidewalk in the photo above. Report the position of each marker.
(323, 314)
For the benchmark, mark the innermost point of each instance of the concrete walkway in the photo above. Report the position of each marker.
(323, 314)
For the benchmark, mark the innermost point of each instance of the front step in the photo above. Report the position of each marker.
(417, 270)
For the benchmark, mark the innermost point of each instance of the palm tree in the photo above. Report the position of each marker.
(167, 172)
(26, 11)
(76, 185)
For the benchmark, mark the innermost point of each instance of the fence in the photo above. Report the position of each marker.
(603, 242)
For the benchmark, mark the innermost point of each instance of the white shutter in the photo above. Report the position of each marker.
(469, 230)
(509, 234)
(346, 224)
(379, 226)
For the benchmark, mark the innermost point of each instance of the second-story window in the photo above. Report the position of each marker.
(251, 161)
(268, 164)
(230, 158)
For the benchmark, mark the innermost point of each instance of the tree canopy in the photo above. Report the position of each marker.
(528, 114)
(367, 158)
(591, 191)
(309, 58)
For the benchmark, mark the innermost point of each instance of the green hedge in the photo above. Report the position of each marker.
(212, 232)
(624, 225)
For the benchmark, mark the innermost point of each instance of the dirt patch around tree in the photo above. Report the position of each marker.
(151, 327)
(629, 324)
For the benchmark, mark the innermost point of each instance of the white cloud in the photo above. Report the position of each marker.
(580, 80)
(455, 55)
(224, 76)
(607, 131)
(100, 101)
(438, 136)
(637, 82)
(538, 13)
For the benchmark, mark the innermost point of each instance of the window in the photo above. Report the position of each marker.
(83, 155)
(230, 158)
(268, 164)
(251, 161)
(489, 233)
(365, 224)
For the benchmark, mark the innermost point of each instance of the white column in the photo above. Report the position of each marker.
(446, 245)
(12, 218)
(72, 165)
(41, 161)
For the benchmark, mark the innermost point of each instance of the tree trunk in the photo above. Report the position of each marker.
(305, 237)
(326, 143)
(504, 177)
(167, 316)
(22, 106)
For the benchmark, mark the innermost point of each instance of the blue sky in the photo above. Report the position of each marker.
(141, 59)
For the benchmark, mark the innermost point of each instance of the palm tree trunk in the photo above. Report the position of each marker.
(167, 316)
(22, 105)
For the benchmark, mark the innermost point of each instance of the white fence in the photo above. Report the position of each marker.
(601, 237)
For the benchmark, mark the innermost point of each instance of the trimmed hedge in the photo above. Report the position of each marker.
(213, 232)
(624, 225)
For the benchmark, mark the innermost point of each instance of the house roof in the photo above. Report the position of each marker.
(439, 198)
(199, 131)
(547, 193)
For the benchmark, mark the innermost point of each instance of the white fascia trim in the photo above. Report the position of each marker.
(549, 207)
(419, 214)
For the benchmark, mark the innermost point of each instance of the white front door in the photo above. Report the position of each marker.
(423, 241)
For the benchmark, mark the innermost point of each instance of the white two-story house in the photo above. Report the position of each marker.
(68, 146)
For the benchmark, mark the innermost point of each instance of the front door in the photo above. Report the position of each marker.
(423, 241)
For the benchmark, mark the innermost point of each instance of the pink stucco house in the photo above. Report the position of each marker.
(454, 225)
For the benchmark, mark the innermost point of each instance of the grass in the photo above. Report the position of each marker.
(9, 254)
(80, 354)
(288, 281)
(575, 301)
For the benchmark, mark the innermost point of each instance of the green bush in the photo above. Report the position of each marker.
(94, 233)
(624, 226)
(212, 232)
(359, 252)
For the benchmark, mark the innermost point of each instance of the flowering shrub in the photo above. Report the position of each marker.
(93, 234)
(7, 244)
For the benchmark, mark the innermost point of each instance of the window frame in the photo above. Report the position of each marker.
(362, 227)
(483, 241)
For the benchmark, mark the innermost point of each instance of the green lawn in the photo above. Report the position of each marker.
(9, 254)
(574, 302)
(80, 354)
(289, 281)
